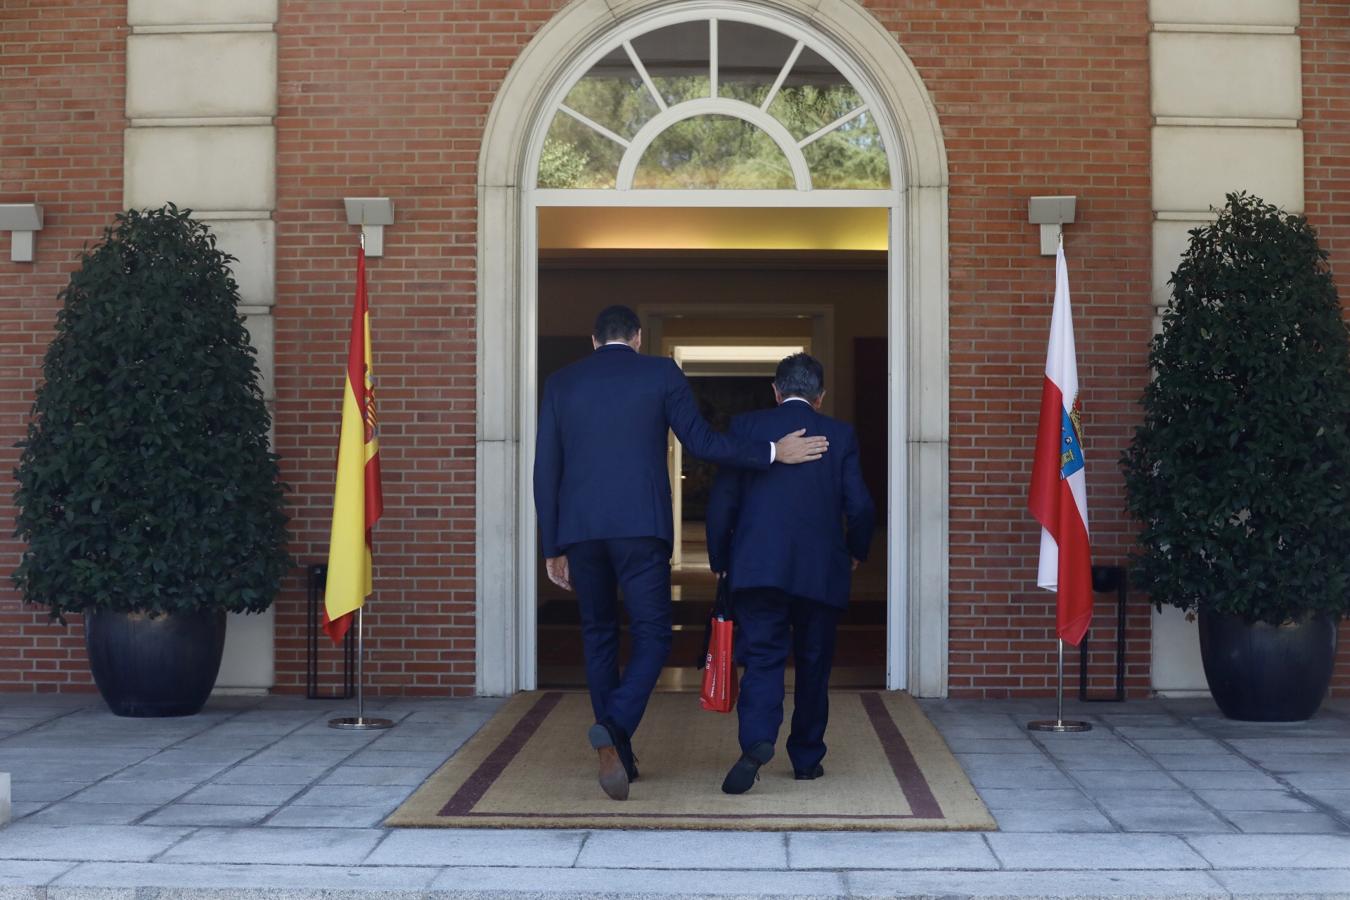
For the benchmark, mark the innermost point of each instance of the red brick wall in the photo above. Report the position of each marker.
(1033, 102)
(388, 98)
(1325, 31)
(391, 98)
(61, 117)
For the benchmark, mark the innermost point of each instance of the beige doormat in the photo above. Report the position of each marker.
(530, 766)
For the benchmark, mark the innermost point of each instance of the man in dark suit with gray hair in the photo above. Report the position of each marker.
(788, 539)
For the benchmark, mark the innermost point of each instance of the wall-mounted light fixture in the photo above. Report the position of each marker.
(372, 214)
(1052, 214)
(21, 220)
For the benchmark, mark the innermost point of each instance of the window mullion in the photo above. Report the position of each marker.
(712, 58)
(782, 75)
(842, 120)
(594, 125)
(642, 72)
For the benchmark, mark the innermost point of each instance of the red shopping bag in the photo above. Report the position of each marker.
(720, 681)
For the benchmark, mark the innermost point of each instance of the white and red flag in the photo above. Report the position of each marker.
(1058, 497)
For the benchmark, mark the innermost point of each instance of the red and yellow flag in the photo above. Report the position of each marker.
(357, 498)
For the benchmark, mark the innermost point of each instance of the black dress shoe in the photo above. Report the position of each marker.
(746, 770)
(629, 759)
(624, 746)
(815, 773)
(613, 774)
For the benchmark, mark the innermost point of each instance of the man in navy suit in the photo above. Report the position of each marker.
(788, 540)
(602, 493)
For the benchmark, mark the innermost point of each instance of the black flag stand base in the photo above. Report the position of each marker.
(359, 722)
(1057, 724)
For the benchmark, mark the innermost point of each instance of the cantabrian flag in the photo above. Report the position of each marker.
(1058, 497)
(357, 498)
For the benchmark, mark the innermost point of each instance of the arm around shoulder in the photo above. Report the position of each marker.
(698, 437)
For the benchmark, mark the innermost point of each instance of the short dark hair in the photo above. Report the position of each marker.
(800, 375)
(616, 323)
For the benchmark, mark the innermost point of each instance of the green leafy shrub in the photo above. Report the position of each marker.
(146, 481)
(561, 165)
(1240, 472)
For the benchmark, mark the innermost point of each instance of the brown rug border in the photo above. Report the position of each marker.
(497, 743)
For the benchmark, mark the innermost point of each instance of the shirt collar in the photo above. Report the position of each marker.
(798, 399)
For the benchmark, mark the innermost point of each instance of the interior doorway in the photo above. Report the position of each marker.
(727, 316)
(729, 376)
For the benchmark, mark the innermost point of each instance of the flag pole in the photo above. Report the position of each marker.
(1057, 484)
(1058, 724)
(360, 722)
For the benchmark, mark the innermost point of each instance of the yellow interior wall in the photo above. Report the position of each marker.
(647, 228)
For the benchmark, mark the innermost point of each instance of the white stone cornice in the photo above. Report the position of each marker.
(224, 28)
(1219, 122)
(1166, 27)
(1190, 216)
(186, 121)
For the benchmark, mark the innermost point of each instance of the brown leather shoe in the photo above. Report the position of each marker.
(613, 774)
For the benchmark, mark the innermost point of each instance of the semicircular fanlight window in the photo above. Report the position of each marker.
(657, 79)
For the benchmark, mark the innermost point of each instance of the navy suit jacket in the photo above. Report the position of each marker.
(600, 466)
(794, 528)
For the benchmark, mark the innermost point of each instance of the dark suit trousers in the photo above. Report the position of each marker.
(771, 622)
(640, 568)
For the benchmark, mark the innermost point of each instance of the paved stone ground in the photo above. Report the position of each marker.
(258, 798)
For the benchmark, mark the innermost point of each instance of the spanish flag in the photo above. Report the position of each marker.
(357, 498)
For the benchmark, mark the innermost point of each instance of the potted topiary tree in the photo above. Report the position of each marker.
(147, 494)
(1240, 472)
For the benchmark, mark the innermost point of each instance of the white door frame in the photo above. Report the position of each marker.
(917, 321)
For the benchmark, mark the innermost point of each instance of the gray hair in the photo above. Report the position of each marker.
(800, 375)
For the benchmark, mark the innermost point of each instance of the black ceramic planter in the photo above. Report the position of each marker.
(165, 666)
(1267, 673)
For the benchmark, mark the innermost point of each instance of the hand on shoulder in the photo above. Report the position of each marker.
(799, 447)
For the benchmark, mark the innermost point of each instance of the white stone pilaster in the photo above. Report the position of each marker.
(201, 89)
(1227, 100)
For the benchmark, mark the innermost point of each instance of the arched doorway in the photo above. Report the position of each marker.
(592, 56)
